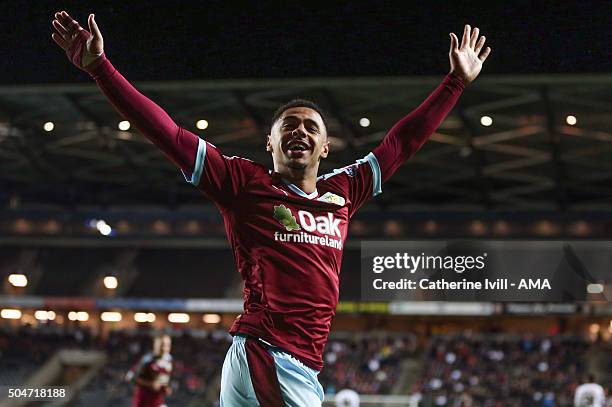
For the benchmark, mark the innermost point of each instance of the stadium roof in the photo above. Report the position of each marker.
(529, 158)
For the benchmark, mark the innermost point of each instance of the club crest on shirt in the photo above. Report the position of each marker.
(332, 198)
(350, 170)
(284, 216)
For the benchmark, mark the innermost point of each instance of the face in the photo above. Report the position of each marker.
(298, 140)
(162, 345)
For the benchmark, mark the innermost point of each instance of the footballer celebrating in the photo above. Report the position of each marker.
(286, 226)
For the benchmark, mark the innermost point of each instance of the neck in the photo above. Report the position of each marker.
(305, 178)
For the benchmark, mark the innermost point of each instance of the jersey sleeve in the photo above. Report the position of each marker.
(219, 177)
(361, 181)
(177, 143)
(139, 369)
(409, 134)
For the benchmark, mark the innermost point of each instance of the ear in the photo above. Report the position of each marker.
(269, 143)
(325, 150)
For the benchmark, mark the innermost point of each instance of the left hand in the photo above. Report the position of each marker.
(466, 59)
(83, 47)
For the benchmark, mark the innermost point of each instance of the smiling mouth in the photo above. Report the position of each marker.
(297, 147)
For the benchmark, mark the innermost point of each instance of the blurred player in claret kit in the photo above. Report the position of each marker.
(152, 374)
(286, 226)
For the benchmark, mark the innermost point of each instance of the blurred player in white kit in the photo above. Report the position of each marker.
(590, 394)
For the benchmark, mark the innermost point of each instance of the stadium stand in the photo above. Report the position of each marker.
(455, 369)
(367, 365)
(141, 270)
(502, 369)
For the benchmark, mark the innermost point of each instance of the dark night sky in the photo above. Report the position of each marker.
(174, 40)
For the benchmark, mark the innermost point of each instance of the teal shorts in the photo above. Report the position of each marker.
(258, 374)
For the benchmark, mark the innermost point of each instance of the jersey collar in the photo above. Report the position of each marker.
(301, 193)
(295, 189)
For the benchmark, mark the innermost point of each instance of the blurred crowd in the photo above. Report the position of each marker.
(368, 365)
(197, 361)
(488, 370)
(503, 370)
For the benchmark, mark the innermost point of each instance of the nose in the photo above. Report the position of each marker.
(299, 131)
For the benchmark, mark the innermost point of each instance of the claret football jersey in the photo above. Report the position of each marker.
(287, 244)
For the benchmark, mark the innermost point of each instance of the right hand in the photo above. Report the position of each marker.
(466, 59)
(83, 47)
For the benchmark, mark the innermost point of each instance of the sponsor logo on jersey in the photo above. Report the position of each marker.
(307, 223)
(325, 225)
(332, 198)
(284, 216)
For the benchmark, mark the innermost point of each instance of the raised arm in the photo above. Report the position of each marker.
(86, 50)
(408, 135)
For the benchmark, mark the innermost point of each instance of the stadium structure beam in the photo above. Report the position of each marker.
(560, 171)
(478, 160)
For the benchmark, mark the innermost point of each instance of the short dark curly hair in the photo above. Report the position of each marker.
(299, 103)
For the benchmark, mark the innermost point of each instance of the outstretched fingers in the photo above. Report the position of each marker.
(62, 36)
(484, 54)
(454, 45)
(465, 40)
(59, 40)
(61, 30)
(93, 27)
(474, 37)
(480, 44)
(69, 23)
